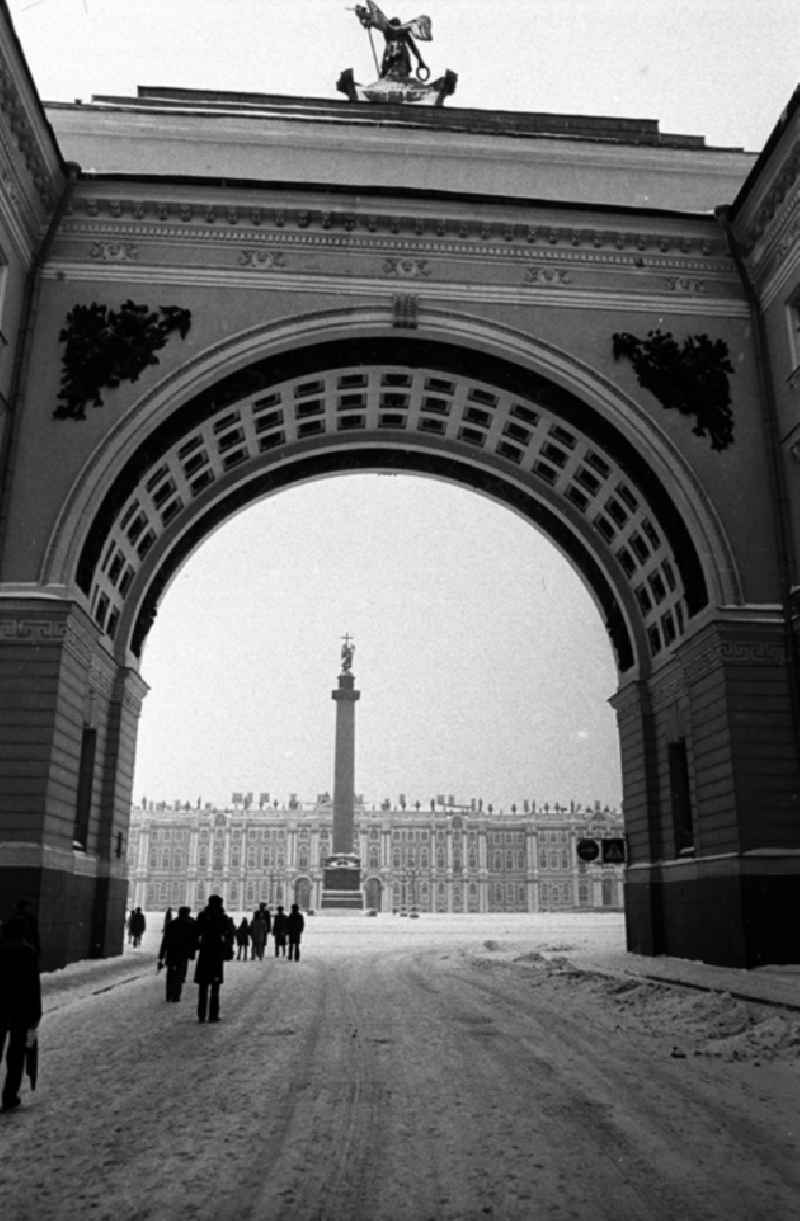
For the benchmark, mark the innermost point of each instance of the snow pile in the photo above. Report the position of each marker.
(693, 1022)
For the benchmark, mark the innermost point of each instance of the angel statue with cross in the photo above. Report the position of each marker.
(396, 85)
(348, 649)
(399, 41)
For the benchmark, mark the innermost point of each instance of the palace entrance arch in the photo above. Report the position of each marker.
(329, 288)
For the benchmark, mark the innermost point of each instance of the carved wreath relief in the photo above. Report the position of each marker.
(693, 378)
(105, 347)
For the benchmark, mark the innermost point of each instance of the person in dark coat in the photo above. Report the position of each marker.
(138, 924)
(242, 939)
(294, 928)
(267, 914)
(24, 911)
(258, 933)
(178, 945)
(168, 917)
(215, 946)
(20, 1003)
(279, 932)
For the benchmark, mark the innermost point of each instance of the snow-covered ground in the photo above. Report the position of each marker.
(413, 1070)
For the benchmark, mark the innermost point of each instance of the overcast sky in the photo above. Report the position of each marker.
(483, 664)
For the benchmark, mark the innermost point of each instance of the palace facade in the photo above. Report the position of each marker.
(445, 859)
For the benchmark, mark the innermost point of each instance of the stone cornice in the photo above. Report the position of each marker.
(273, 148)
(783, 183)
(25, 125)
(692, 243)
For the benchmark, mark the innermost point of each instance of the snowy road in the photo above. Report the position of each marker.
(407, 1071)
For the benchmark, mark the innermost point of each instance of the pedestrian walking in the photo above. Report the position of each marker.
(258, 934)
(25, 912)
(167, 920)
(294, 928)
(279, 932)
(267, 914)
(138, 926)
(215, 947)
(178, 945)
(20, 1004)
(242, 940)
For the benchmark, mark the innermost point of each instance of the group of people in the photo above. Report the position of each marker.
(211, 937)
(286, 931)
(20, 997)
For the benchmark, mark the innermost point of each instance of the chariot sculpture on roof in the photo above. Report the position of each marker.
(395, 83)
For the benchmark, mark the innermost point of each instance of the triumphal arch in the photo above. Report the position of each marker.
(209, 297)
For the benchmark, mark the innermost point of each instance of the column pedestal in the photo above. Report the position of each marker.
(342, 883)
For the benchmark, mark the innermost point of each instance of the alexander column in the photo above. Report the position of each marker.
(342, 875)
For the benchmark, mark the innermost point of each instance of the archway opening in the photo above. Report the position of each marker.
(485, 670)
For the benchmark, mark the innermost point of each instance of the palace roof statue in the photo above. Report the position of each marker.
(395, 84)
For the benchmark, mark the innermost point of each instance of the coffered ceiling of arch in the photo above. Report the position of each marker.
(441, 247)
(228, 441)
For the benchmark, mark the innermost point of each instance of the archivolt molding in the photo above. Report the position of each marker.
(481, 424)
(230, 354)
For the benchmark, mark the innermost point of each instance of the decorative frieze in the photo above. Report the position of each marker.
(32, 631)
(406, 269)
(709, 654)
(684, 284)
(262, 260)
(114, 252)
(553, 276)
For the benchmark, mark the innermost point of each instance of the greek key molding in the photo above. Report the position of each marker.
(713, 655)
(36, 631)
(753, 653)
